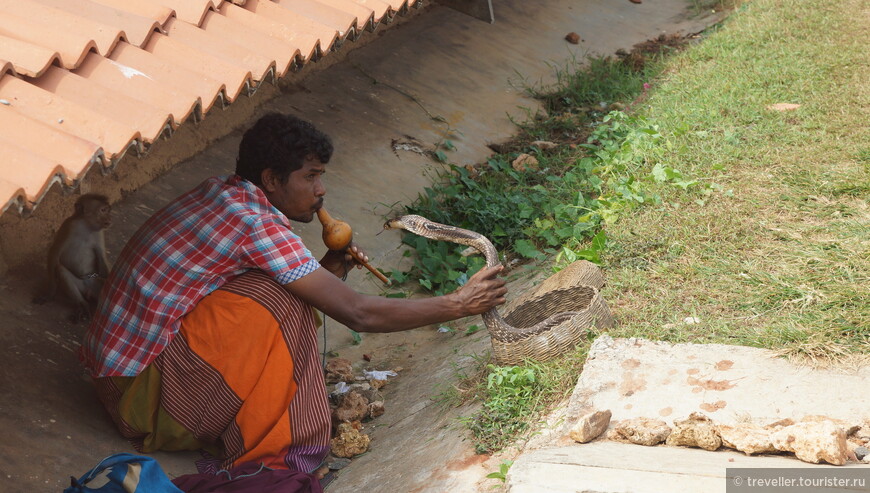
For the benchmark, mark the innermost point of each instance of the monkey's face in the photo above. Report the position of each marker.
(301, 195)
(97, 213)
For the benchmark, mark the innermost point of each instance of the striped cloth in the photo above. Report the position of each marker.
(204, 238)
(241, 380)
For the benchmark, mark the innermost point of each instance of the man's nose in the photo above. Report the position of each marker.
(319, 189)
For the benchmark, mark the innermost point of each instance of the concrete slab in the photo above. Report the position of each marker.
(641, 378)
(611, 467)
(451, 65)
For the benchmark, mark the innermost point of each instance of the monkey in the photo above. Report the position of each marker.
(77, 259)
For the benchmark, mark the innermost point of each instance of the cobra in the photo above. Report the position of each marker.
(529, 331)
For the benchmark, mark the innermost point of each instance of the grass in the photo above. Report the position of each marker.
(753, 221)
(784, 262)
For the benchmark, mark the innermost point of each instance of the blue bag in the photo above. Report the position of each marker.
(124, 473)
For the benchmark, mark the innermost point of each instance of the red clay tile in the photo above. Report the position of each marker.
(105, 36)
(330, 22)
(74, 155)
(67, 116)
(196, 85)
(149, 120)
(177, 104)
(254, 40)
(71, 46)
(190, 11)
(102, 75)
(28, 59)
(259, 65)
(6, 67)
(295, 19)
(145, 8)
(29, 174)
(174, 52)
(135, 27)
(381, 8)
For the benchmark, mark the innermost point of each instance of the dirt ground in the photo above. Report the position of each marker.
(454, 66)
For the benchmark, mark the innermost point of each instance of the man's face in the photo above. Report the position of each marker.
(302, 194)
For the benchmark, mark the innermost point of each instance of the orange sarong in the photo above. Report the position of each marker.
(241, 380)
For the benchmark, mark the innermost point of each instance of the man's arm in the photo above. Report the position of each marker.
(364, 313)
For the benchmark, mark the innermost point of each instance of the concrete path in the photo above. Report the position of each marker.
(441, 63)
(611, 467)
(637, 378)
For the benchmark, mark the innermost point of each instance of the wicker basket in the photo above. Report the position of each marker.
(581, 297)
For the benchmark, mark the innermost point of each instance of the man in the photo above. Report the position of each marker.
(204, 337)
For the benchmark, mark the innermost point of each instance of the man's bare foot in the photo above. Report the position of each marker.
(321, 472)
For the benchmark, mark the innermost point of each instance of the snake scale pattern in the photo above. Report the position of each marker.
(498, 328)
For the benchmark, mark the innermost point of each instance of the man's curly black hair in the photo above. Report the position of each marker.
(280, 142)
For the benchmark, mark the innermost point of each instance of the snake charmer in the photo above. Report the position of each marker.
(205, 337)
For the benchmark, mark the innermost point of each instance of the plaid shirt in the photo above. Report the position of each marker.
(200, 241)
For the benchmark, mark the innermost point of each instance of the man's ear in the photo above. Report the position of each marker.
(269, 180)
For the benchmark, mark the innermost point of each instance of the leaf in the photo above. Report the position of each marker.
(357, 338)
(440, 156)
(527, 249)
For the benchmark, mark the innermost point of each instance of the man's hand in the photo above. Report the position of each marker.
(340, 262)
(483, 291)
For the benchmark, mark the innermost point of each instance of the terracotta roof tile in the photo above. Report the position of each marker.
(179, 105)
(81, 81)
(136, 28)
(283, 53)
(27, 58)
(235, 78)
(323, 21)
(261, 66)
(6, 67)
(190, 11)
(151, 121)
(34, 174)
(68, 117)
(104, 36)
(145, 8)
(145, 64)
(66, 154)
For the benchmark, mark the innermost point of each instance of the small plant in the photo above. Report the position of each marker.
(503, 468)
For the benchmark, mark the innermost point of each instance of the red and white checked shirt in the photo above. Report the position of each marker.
(205, 238)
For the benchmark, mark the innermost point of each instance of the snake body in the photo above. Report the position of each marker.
(498, 328)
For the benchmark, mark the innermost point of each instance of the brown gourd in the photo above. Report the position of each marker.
(337, 235)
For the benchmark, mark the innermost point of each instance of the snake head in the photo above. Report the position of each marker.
(395, 223)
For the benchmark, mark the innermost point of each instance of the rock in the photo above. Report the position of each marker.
(353, 407)
(591, 426)
(544, 144)
(780, 424)
(813, 442)
(572, 38)
(861, 452)
(377, 384)
(783, 107)
(339, 370)
(372, 395)
(348, 441)
(525, 162)
(747, 438)
(850, 428)
(376, 409)
(695, 431)
(640, 431)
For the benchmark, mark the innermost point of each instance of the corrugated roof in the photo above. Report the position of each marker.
(82, 82)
